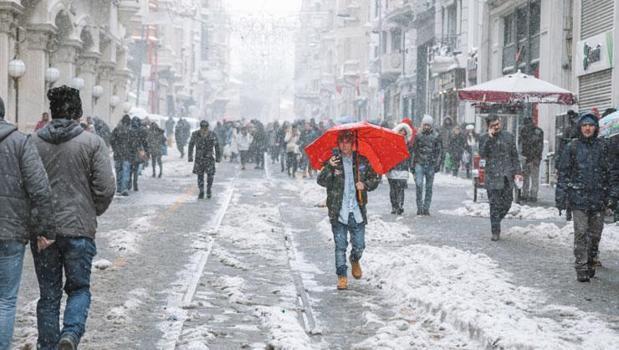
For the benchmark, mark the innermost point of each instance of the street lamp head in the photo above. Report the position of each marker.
(97, 91)
(127, 107)
(51, 75)
(17, 68)
(114, 101)
(77, 83)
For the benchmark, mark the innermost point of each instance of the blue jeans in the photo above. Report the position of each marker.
(424, 173)
(123, 172)
(11, 262)
(74, 256)
(357, 240)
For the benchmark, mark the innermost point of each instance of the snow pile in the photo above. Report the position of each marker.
(549, 232)
(233, 287)
(470, 293)
(228, 259)
(517, 211)
(309, 191)
(445, 180)
(127, 240)
(122, 314)
(378, 230)
(286, 332)
(102, 264)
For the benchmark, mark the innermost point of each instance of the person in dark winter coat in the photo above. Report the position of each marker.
(398, 176)
(26, 206)
(121, 145)
(169, 129)
(260, 143)
(207, 153)
(181, 134)
(531, 147)
(427, 153)
(584, 184)
(156, 140)
(498, 148)
(613, 163)
(138, 146)
(348, 177)
(103, 130)
(457, 146)
(82, 182)
(445, 134)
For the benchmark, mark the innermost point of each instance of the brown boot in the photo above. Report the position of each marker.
(356, 269)
(342, 282)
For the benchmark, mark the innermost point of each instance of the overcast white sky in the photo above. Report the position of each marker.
(275, 7)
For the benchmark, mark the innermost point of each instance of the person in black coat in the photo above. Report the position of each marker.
(181, 134)
(584, 184)
(531, 147)
(207, 153)
(138, 149)
(613, 163)
(457, 146)
(498, 148)
(121, 145)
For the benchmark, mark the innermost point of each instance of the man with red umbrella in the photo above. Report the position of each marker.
(347, 176)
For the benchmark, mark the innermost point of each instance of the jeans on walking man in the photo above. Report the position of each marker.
(499, 150)
(347, 177)
(67, 153)
(427, 153)
(583, 185)
(25, 192)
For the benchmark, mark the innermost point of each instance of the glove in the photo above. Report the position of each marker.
(612, 204)
(561, 208)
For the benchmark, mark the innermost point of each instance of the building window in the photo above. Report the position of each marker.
(515, 37)
(396, 40)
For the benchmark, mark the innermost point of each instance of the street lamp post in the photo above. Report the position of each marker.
(17, 68)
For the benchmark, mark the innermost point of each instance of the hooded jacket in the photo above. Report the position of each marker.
(401, 170)
(584, 172)
(80, 175)
(25, 194)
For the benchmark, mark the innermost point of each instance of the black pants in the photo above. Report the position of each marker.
(396, 193)
(282, 159)
(181, 148)
(156, 160)
(243, 158)
(133, 178)
(500, 203)
(259, 159)
(292, 163)
(209, 182)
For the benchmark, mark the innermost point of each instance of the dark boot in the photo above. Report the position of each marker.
(419, 212)
(201, 195)
(67, 343)
(583, 276)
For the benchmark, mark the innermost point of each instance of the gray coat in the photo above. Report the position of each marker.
(25, 195)
(80, 174)
(502, 160)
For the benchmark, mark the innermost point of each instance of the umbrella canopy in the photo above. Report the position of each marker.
(383, 148)
(609, 125)
(514, 88)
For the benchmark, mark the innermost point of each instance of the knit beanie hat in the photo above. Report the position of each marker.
(65, 103)
(427, 120)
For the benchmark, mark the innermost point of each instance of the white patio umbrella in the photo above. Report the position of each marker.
(517, 88)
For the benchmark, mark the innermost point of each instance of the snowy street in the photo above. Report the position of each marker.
(253, 268)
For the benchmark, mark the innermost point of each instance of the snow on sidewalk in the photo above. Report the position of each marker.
(549, 232)
(517, 211)
(469, 292)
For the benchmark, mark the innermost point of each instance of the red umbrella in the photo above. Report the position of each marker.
(383, 147)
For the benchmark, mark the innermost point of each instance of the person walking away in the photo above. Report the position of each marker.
(41, 123)
(207, 153)
(427, 153)
(139, 150)
(281, 142)
(181, 134)
(445, 135)
(244, 141)
(457, 146)
(259, 143)
(348, 176)
(26, 194)
(292, 150)
(531, 147)
(471, 149)
(169, 129)
(121, 146)
(82, 183)
(613, 160)
(398, 176)
(498, 148)
(234, 145)
(584, 184)
(102, 130)
(156, 141)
